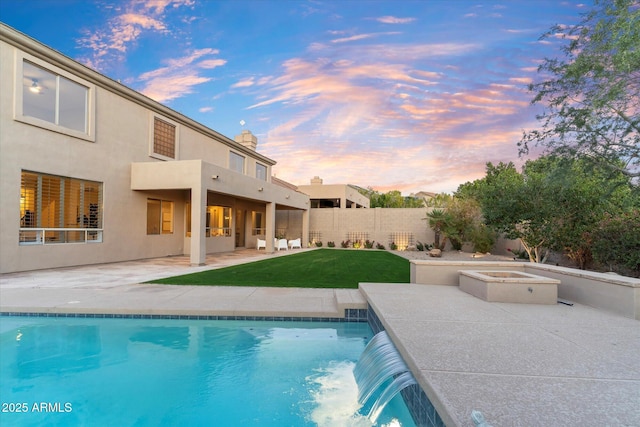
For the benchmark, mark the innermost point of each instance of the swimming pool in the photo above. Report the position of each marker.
(142, 372)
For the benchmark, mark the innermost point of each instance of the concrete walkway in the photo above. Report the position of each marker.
(117, 288)
(520, 365)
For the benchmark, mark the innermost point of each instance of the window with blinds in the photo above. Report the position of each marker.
(218, 221)
(164, 138)
(159, 216)
(257, 223)
(62, 209)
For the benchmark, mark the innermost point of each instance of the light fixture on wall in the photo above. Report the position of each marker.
(287, 196)
(35, 88)
(260, 189)
(214, 176)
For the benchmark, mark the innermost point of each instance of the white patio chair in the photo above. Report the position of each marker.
(261, 244)
(282, 244)
(295, 243)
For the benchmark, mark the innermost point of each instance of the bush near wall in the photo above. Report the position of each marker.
(616, 243)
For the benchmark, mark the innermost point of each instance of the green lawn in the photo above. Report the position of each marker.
(323, 268)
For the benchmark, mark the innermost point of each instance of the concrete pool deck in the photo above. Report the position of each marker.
(519, 364)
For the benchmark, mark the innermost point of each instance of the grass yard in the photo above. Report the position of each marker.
(322, 268)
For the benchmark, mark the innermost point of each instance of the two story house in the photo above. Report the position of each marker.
(93, 171)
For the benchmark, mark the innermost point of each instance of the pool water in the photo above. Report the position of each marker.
(157, 372)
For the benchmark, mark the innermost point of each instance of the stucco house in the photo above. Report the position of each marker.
(333, 195)
(93, 171)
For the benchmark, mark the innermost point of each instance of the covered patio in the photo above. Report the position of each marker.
(206, 186)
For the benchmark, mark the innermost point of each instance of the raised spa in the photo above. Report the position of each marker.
(509, 286)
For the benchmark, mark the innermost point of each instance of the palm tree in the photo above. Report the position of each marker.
(437, 221)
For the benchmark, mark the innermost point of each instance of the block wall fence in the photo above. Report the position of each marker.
(404, 226)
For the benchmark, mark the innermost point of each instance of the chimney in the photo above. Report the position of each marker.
(316, 180)
(247, 139)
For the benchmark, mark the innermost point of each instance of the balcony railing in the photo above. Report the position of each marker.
(218, 232)
(51, 236)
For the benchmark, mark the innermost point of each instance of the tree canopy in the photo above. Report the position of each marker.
(591, 96)
(391, 199)
(553, 204)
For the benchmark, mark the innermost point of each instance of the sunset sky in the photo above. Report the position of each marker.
(396, 95)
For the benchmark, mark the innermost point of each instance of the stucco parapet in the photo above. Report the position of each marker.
(609, 278)
(469, 263)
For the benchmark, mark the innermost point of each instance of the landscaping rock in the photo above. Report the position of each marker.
(436, 253)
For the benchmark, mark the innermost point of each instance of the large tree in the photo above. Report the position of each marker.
(518, 207)
(553, 204)
(591, 96)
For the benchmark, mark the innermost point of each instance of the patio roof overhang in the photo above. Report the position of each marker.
(198, 175)
(201, 178)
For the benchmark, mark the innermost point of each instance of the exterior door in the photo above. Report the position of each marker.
(240, 228)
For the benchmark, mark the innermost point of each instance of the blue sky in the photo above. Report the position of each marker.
(396, 95)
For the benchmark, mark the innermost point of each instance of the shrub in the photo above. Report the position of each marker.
(483, 238)
(368, 244)
(357, 244)
(331, 244)
(423, 246)
(520, 254)
(616, 243)
(345, 243)
(393, 246)
(319, 244)
(379, 246)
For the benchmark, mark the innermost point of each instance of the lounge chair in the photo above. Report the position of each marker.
(282, 244)
(295, 244)
(261, 244)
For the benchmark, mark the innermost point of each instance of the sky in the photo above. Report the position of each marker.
(394, 95)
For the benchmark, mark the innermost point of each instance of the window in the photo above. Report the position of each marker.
(261, 172)
(164, 139)
(53, 101)
(236, 162)
(257, 223)
(218, 221)
(55, 209)
(159, 216)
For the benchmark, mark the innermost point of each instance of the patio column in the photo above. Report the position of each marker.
(270, 224)
(198, 223)
(305, 228)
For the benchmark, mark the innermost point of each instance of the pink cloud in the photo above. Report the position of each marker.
(394, 20)
(361, 37)
(423, 139)
(244, 83)
(179, 76)
(134, 19)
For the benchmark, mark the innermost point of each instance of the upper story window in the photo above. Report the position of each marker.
(261, 172)
(236, 162)
(165, 139)
(54, 100)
